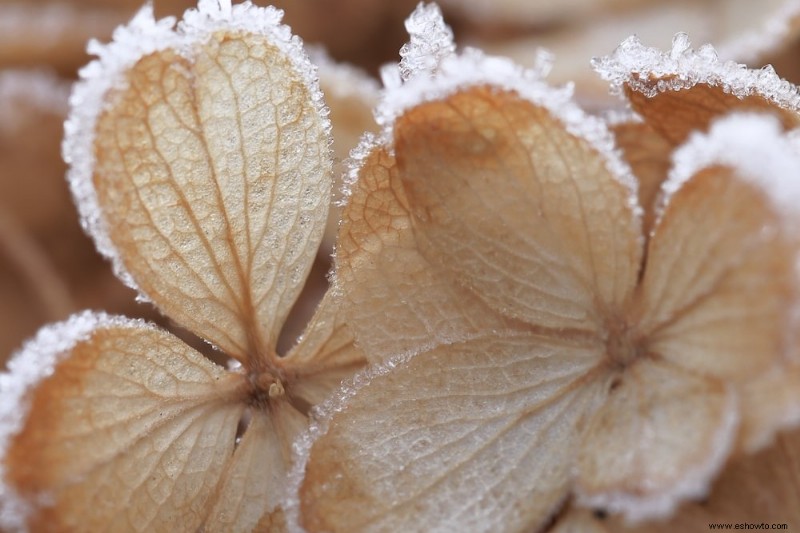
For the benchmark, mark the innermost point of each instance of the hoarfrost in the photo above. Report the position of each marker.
(358, 155)
(755, 146)
(639, 66)
(430, 40)
(34, 362)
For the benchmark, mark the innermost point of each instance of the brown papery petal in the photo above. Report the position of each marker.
(648, 154)
(754, 489)
(657, 439)
(325, 355)
(132, 430)
(212, 175)
(252, 481)
(769, 401)
(719, 286)
(675, 114)
(517, 208)
(476, 436)
(396, 300)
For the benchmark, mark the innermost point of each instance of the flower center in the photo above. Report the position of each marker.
(267, 385)
(622, 346)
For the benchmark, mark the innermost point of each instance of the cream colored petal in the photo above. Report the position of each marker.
(325, 355)
(475, 436)
(395, 300)
(769, 401)
(660, 437)
(755, 489)
(212, 178)
(129, 430)
(252, 482)
(514, 206)
(719, 286)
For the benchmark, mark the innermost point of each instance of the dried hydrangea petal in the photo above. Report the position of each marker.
(253, 481)
(455, 439)
(660, 436)
(752, 489)
(325, 354)
(492, 175)
(684, 90)
(379, 269)
(772, 400)
(108, 422)
(203, 168)
(720, 286)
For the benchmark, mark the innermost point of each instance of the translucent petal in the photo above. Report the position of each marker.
(473, 436)
(212, 175)
(660, 437)
(519, 209)
(396, 300)
(325, 355)
(752, 489)
(719, 289)
(253, 480)
(128, 430)
(769, 401)
(684, 90)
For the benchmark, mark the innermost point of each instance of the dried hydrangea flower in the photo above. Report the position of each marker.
(536, 346)
(200, 161)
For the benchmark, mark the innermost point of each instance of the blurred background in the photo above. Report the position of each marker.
(49, 268)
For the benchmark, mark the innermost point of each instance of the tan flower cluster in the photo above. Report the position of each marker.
(539, 319)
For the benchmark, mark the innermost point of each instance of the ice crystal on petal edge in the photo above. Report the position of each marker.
(35, 361)
(144, 35)
(755, 145)
(430, 40)
(632, 63)
(441, 74)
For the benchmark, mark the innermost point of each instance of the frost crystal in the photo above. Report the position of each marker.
(752, 144)
(636, 65)
(430, 41)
